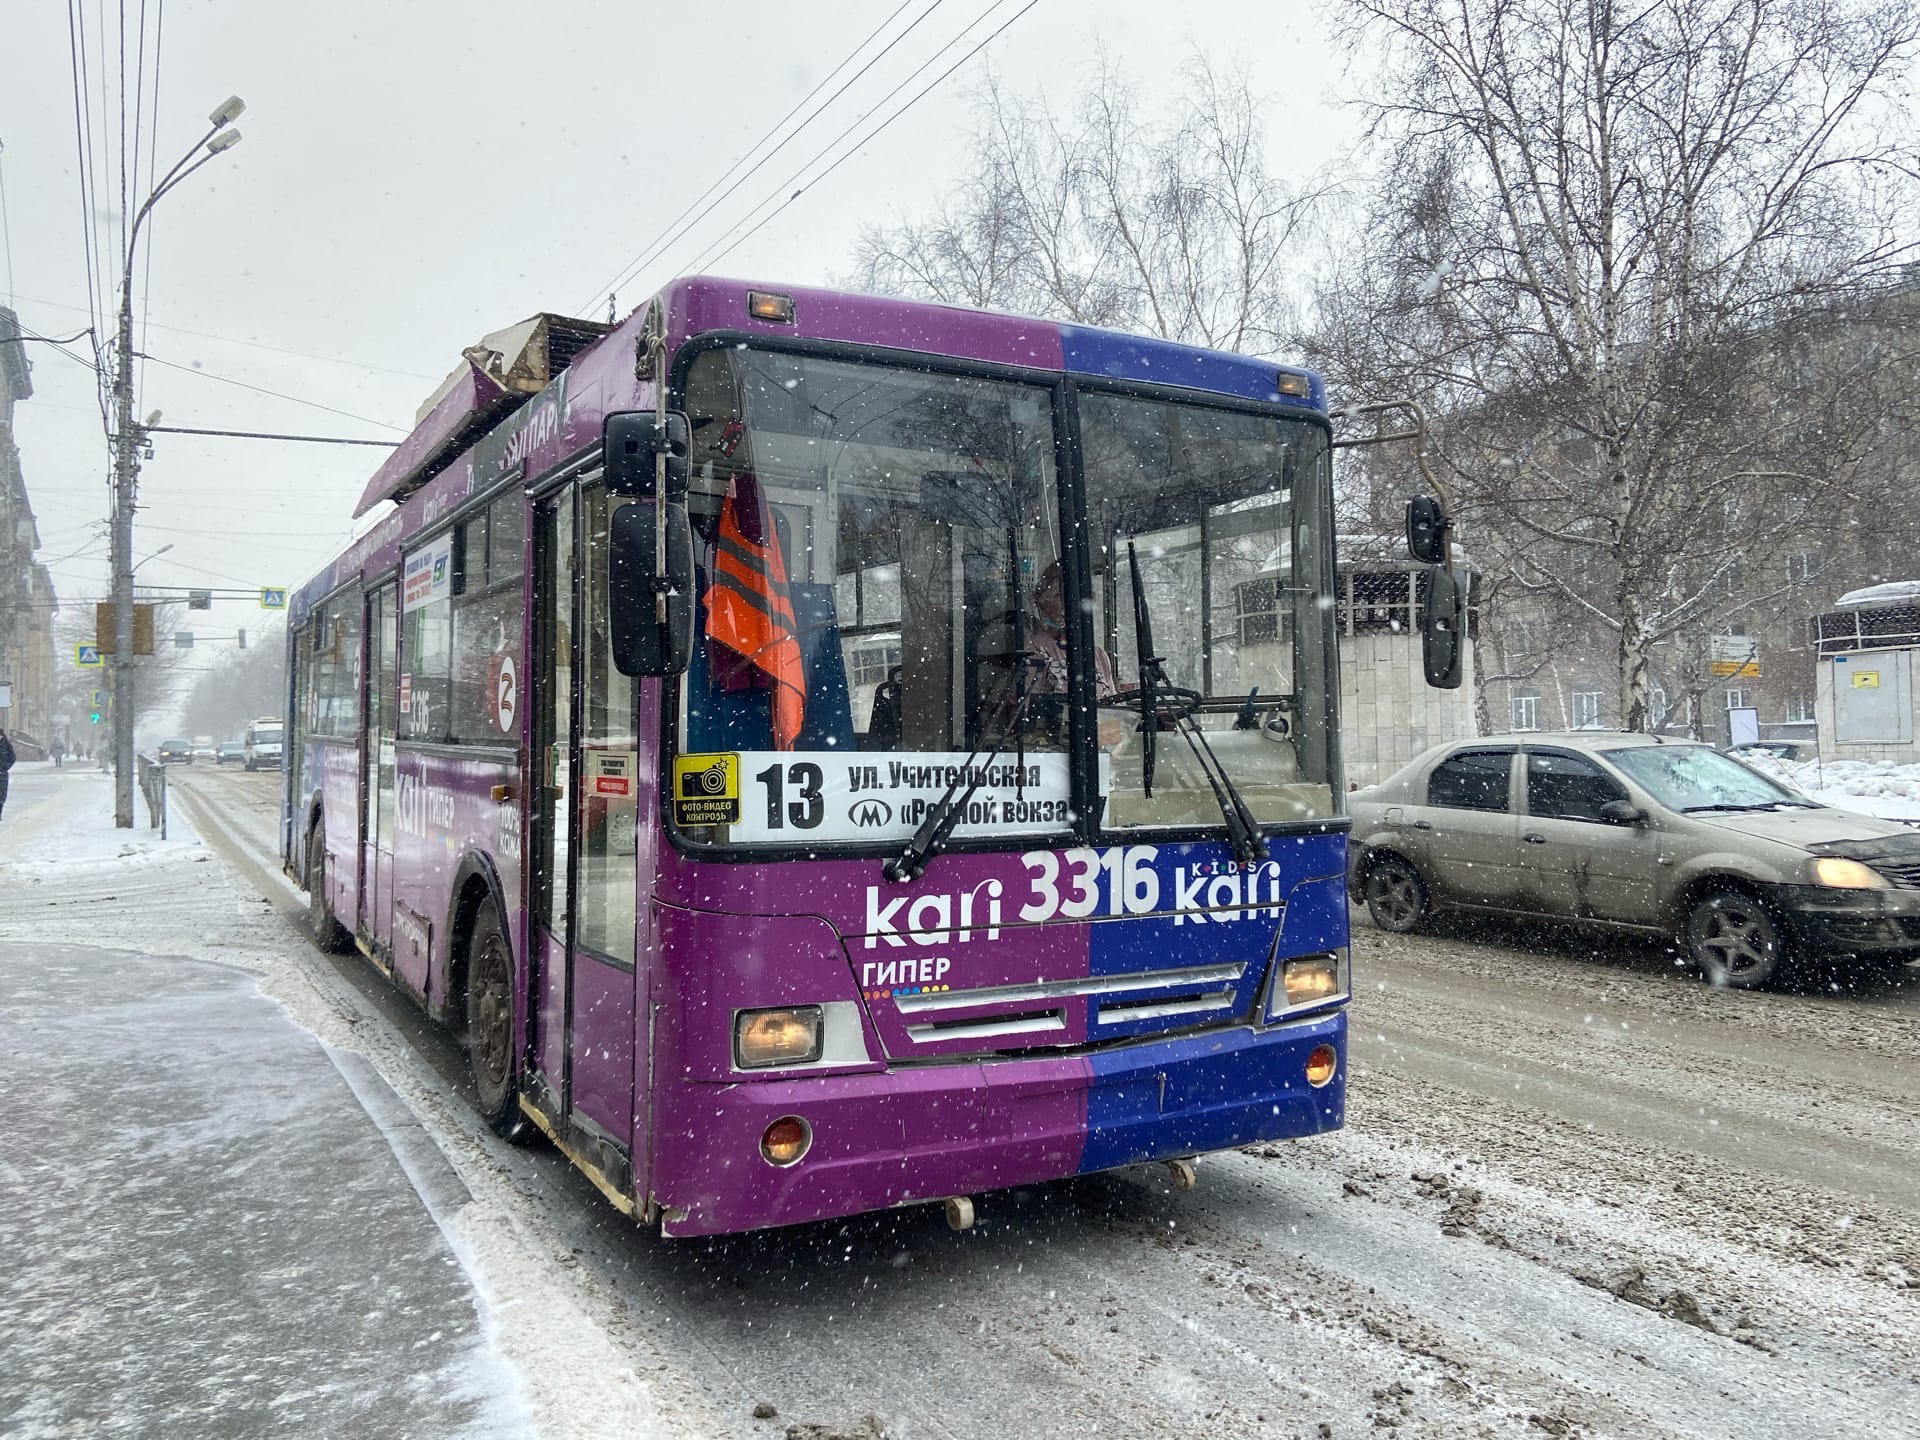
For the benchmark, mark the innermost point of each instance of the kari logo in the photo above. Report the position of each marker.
(870, 814)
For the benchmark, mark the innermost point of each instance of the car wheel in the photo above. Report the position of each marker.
(1735, 942)
(327, 930)
(1396, 895)
(490, 1024)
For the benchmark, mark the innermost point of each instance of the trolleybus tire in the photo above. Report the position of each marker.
(328, 932)
(489, 1029)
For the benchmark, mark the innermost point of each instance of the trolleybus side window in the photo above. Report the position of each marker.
(488, 602)
(335, 685)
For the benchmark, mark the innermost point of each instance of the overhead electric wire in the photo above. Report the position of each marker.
(6, 228)
(74, 54)
(251, 344)
(276, 394)
(153, 156)
(654, 248)
(716, 258)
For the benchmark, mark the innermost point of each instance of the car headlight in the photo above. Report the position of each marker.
(1847, 874)
(787, 1036)
(1309, 980)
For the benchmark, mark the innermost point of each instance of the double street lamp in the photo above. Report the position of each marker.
(128, 440)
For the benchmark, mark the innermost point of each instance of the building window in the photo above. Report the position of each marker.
(1586, 709)
(1256, 606)
(1526, 712)
(1737, 698)
(1657, 705)
(1802, 566)
(868, 663)
(1799, 706)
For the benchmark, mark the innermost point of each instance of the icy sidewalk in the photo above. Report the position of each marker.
(204, 1232)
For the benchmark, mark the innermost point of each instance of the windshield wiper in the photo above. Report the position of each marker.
(1737, 809)
(938, 826)
(934, 832)
(1243, 831)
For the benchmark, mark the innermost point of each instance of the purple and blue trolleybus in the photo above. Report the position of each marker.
(826, 752)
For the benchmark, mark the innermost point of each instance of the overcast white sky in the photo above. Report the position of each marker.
(416, 175)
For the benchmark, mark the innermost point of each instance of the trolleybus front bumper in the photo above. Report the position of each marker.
(927, 1132)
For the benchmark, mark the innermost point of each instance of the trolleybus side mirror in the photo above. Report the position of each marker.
(650, 571)
(633, 440)
(1427, 527)
(1443, 628)
(636, 581)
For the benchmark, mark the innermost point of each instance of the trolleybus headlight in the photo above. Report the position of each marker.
(1321, 1064)
(787, 1036)
(1312, 977)
(787, 1141)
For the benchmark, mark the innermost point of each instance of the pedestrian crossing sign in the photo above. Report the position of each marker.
(273, 597)
(85, 655)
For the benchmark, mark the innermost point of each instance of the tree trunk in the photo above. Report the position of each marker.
(1634, 713)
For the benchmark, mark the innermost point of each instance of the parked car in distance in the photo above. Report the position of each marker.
(177, 751)
(1778, 749)
(1639, 833)
(227, 751)
(262, 743)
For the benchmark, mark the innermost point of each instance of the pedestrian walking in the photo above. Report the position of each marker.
(58, 750)
(6, 765)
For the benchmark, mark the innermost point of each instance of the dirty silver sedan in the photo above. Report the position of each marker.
(1642, 834)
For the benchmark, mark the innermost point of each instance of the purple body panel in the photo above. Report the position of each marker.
(643, 1058)
(476, 394)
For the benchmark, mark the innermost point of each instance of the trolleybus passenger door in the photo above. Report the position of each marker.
(376, 884)
(587, 846)
(550, 800)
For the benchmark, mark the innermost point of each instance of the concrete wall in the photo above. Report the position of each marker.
(1388, 712)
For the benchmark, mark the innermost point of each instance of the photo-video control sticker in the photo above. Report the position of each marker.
(706, 789)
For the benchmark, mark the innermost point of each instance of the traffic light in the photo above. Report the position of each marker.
(243, 639)
(94, 718)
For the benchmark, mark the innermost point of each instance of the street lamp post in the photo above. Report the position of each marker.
(127, 440)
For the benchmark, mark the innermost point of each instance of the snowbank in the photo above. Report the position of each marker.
(1866, 787)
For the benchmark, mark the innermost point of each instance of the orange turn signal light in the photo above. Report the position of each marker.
(765, 305)
(786, 1141)
(1321, 1064)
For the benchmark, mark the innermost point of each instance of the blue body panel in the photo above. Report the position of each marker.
(1161, 362)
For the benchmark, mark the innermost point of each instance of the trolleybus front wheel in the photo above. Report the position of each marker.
(490, 1023)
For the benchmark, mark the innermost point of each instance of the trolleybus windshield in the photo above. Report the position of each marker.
(882, 618)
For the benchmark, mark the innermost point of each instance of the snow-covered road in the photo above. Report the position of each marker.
(1580, 1195)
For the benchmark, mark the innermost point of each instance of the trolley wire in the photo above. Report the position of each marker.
(655, 247)
(714, 258)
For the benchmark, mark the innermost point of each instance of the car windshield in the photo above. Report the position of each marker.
(1693, 777)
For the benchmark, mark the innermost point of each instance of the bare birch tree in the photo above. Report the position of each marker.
(1173, 227)
(1594, 225)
